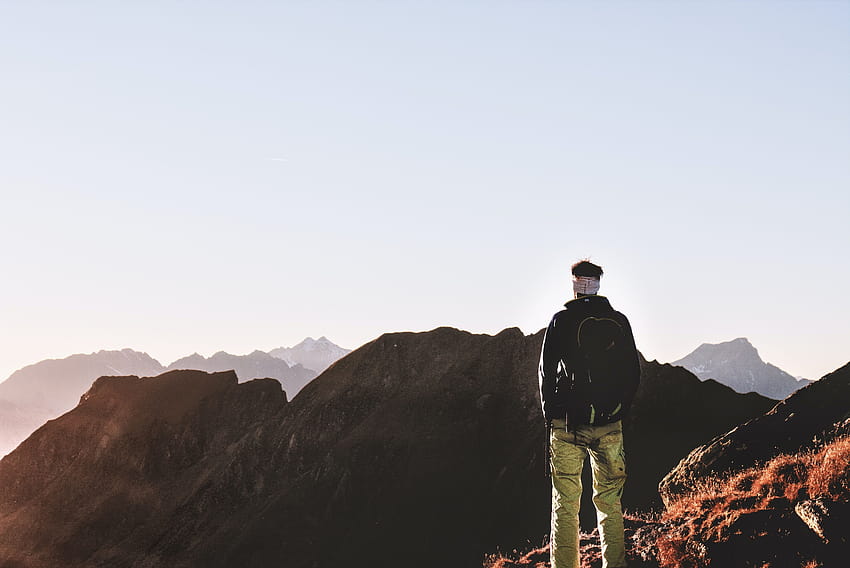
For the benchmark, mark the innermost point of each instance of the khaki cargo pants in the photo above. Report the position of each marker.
(568, 450)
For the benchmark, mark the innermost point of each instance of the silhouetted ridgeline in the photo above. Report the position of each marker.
(421, 449)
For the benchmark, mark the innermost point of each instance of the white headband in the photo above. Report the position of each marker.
(585, 284)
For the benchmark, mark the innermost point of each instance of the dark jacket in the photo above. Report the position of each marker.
(565, 391)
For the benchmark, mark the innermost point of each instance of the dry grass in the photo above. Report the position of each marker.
(706, 514)
(537, 558)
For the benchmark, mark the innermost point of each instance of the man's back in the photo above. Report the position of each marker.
(589, 363)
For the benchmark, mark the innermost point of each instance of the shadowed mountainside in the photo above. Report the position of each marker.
(421, 448)
(673, 413)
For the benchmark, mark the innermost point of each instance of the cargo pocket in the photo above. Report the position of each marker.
(567, 457)
(610, 456)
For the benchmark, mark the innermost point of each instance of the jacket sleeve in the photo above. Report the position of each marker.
(548, 370)
(632, 368)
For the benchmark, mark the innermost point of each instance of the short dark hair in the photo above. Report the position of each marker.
(586, 268)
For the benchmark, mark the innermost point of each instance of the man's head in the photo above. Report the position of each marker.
(586, 277)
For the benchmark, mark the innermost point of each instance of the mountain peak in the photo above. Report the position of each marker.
(737, 364)
(315, 354)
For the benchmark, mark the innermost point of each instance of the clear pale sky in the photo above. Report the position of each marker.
(204, 176)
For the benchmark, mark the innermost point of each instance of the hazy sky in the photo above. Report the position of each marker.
(197, 176)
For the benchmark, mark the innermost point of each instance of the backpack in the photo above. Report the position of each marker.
(603, 370)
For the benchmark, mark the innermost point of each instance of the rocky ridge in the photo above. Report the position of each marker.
(428, 442)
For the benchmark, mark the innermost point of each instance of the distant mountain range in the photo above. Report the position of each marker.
(738, 365)
(425, 449)
(44, 390)
(256, 365)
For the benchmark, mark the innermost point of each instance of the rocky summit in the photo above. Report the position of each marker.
(425, 449)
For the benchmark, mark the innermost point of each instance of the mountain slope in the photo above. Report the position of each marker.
(421, 448)
(738, 365)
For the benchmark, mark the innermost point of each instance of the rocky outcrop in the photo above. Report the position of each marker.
(788, 512)
(737, 364)
(797, 423)
(421, 448)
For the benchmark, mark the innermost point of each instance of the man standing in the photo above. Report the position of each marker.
(589, 372)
